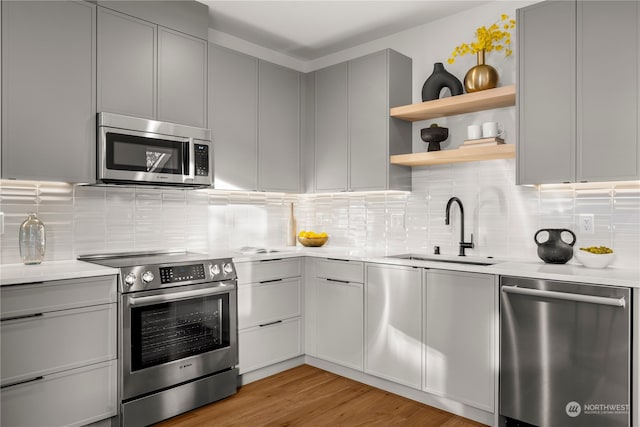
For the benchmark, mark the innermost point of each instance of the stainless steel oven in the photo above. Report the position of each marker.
(177, 334)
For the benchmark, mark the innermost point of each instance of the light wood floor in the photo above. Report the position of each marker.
(307, 396)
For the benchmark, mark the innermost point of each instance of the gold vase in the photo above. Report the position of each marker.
(481, 76)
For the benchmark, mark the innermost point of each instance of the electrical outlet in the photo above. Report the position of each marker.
(1, 223)
(586, 223)
(397, 221)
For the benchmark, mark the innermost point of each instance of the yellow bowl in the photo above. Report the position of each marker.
(312, 241)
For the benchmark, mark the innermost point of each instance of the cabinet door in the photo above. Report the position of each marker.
(264, 303)
(182, 78)
(546, 93)
(331, 136)
(459, 337)
(393, 324)
(266, 345)
(339, 334)
(48, 90)
(608, 147)
(278, 128)
(126, 65)
(368, 120)
(233, 90)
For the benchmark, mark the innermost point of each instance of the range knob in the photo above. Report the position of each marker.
(228, 268)
(215, 269)
(130, 279)
(147, 277)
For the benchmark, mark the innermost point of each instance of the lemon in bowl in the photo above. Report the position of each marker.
(595, 256)
(312, 239)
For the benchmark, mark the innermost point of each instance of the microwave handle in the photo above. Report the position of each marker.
(192, 160)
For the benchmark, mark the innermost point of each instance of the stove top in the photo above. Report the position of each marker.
(130, 259)
(143, 271)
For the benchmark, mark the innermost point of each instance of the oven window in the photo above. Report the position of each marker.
(140, 154)
(165, 332)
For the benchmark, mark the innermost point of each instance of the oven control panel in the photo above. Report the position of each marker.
(182, 273)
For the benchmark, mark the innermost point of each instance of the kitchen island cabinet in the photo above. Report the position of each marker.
(459, 336)
(393, 327)
(591, 133)
(254, 115)
(59, 346)
(48, 90)
(354, 135)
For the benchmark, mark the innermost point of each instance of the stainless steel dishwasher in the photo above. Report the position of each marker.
(565, 354)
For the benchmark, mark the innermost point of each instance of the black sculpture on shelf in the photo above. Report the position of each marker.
(434, 135)
(439, 79)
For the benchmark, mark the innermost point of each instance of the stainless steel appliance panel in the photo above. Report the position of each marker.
(565, 354)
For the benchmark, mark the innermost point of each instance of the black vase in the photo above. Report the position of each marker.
(555, 250)
(440, 78)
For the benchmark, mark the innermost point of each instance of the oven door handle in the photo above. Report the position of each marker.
(616, 302)
(176, 296)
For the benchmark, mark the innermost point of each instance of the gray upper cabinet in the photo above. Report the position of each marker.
(150, 71)
(48, 90)
(182, 78)
(608, 90)
(278, 128)
(354, 134)
(254, 114)
(131, 89)
(233, 118)
(378, 82)
(577, 97)
(331, 128)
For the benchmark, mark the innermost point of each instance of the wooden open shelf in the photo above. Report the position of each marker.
(499, 97)
(459, 155)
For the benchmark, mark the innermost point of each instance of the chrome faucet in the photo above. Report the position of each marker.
(463, 245)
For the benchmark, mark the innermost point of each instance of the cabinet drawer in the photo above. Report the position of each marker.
(70, 398)
(337, 269)
(17, 300)
(263, 346)
(260, 271)
(267, 302)
(57, 341)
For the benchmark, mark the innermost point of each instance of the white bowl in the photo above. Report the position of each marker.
(591, 260)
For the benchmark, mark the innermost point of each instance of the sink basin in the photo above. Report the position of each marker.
(439, 258)
(250, 250)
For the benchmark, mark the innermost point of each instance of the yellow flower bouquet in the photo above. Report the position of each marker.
(497, 37)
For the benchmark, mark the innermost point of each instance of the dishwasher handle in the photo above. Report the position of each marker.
(616, 302)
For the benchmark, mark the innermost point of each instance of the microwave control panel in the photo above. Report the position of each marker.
(201, 159)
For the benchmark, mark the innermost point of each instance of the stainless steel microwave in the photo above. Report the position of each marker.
(132, 150)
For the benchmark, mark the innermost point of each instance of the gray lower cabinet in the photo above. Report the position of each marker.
(577, 97)
(254, 115)
(150, 71)
(48, 90)
(393, 327)
(460, 336)
(354, 135)
(59, 352)
(130, 89)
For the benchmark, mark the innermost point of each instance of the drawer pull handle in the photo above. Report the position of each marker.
(23, 382)
(271, 281)
(271, 323)
(270, 260)
(338, 259)
(26, 316)
(338, 281)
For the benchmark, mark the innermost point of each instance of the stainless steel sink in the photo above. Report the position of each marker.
(439, 258)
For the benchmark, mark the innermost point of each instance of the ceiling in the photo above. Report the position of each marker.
(308, 30)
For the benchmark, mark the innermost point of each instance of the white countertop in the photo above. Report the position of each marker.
(11, 274)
